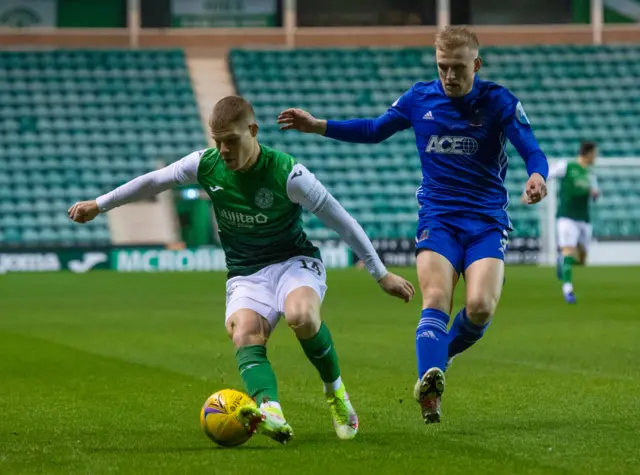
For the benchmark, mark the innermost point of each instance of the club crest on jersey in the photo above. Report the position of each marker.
(521, 115)
(264, 198)
(451, 145)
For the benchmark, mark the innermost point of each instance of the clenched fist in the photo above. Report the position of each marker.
(84, 211)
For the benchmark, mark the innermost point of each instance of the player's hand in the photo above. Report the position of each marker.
(397, 286)
(84, 211)
(595, 193)
(536, 189)
(297, 119)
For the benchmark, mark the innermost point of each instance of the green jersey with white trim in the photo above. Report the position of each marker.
(574, 200)
(258, 223)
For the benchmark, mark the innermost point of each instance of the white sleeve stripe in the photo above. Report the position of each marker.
(322, 204)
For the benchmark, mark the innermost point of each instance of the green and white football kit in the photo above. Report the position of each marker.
(259, 214)
(268, 255)
(573, 217)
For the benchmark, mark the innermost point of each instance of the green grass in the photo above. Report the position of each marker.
(106, 373)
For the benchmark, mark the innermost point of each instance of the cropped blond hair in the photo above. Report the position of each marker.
(230, 110)
(456, 36)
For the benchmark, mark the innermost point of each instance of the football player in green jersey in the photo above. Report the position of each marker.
(258, 195)
(578, 188)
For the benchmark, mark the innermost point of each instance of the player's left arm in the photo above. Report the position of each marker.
(305, 189)
(518, 130)
(595, 189)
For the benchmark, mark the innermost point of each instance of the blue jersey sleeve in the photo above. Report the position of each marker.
(518, 130)
(396, 118)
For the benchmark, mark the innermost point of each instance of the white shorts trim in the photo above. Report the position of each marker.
(573, 233)
(266, 291)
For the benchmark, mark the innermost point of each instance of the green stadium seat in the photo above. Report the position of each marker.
(76, 123)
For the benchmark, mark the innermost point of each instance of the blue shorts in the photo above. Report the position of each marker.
(462, 239)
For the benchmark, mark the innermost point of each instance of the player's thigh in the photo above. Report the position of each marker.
(568, 233)
(437, 278)
(484, 279)
(300, 290)
(252, 293)
(439, 263)
(247, 327)
(484, 273)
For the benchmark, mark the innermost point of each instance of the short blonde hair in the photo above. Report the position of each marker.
(230, 110)
(455, 36)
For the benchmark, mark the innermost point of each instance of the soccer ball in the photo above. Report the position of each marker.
(218, 418)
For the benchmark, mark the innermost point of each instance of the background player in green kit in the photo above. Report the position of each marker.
(578, 187)
(258, 194)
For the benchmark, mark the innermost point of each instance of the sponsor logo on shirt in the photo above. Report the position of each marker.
(452, 145)
(241, 220)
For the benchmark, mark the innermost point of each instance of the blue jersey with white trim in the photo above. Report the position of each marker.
(461, 142)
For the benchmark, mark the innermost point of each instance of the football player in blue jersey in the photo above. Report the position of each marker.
(461, 124)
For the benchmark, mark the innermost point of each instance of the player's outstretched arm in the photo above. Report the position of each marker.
(304, 188)
(182, 172)
(354, 130)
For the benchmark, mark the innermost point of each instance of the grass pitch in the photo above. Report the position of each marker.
(106, 373)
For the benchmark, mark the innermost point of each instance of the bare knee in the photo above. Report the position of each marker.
(302, 312)
(480, 309)
(246, 327)
(436, 297)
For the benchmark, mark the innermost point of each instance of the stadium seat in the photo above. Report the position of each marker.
(77, 123)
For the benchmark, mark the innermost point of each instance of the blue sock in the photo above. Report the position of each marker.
(432, 340)
(464, 333)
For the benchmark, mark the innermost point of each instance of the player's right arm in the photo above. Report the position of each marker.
(182, 172)
(397, 118)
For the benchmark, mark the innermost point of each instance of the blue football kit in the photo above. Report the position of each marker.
(462, 197)
(461, 143)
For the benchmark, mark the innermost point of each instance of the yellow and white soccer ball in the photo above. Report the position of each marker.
(218, 418)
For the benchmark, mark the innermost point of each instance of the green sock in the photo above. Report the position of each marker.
(322, 353)
(256, 372)
(567, 267)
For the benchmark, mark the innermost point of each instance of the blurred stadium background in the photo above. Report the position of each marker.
(96, 92)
